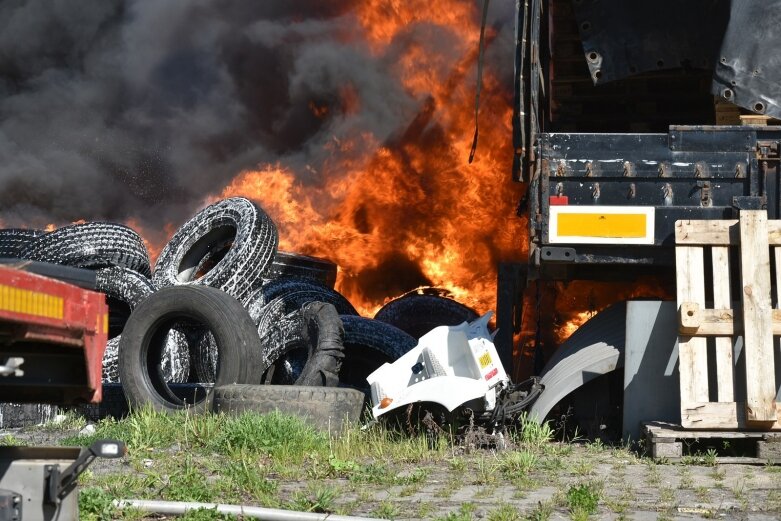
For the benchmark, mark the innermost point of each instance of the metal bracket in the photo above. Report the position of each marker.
(557, 254)
(748, 202)
(705, 194)
(60, 483)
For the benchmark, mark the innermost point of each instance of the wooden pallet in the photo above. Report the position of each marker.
(674, 443)
(752, 318)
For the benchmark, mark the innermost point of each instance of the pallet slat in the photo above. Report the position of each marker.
(757, 331)
(722, 415)
(718, 233)
(693, 365)
(694, 320)
(722, 299)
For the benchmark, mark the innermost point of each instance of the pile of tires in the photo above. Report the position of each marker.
(224, 321)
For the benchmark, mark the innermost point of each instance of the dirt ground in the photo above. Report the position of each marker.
(485, 484)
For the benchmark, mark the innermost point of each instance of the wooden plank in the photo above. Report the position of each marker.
(718, 232)
(692, 351)
(694, 321)
(662, 431)
(757, 323)
(719, 415)
(777, 254)
(722, 299)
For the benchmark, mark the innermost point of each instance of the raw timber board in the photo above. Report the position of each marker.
(707, 408)
(674, 443)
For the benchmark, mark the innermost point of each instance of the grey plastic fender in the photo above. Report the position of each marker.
(595, 349)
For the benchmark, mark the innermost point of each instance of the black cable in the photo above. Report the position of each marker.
(479, 77)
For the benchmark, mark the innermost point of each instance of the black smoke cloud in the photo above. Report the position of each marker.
(139, 109)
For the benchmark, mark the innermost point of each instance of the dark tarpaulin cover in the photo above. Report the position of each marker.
(748, 68)
(739, 39)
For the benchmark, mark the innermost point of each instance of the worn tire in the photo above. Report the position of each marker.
(367, 345)
(111, 360)
(323, 334)
(90, 245)
(139, 351)
(304, 267)
(124, 290)
(323, 407)
(12, 240)
(228, 245)
(417, 314)
(295, 293)
(276, 324)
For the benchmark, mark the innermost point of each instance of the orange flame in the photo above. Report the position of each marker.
(408, 211)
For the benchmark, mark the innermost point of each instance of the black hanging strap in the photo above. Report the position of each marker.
(479, 76)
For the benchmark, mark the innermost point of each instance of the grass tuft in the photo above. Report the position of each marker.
(95, 504)
(583, 499)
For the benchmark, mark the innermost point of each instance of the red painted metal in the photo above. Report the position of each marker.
(31, 324)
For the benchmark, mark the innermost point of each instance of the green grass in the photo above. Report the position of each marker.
(583, 499)
(279, 462)
(318, 499)
(96, 504)
(533, 433)
(515, 463)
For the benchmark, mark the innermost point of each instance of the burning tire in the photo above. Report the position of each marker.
(12, 240)
(90, 245)
(417, 314)
(125, 289)
(367, 345)
(324, 407)
(229, 245)
(239, 350)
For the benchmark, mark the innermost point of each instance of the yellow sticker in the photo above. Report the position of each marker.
(485, 360)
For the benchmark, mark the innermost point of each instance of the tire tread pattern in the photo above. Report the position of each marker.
(324, 407)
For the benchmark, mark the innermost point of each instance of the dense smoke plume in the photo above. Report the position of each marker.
(142, 109)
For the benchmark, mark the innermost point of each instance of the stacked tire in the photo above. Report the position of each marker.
(222, 311)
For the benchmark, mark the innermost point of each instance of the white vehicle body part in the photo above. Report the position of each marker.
(451, 365)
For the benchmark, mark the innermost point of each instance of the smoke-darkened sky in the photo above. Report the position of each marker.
(140, 109)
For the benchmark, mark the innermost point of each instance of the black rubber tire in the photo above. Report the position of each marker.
(297, 266)
(111, 360)
(327, 408)
(323, 335)
(91, 245)
(236, 238)
(417, 313)
(126, 285)
(124, 290)
(139, 351)
(279, 327)
(295, 293)
(367, 345)
(12, 240)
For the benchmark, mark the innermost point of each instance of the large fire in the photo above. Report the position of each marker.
(407, 211)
